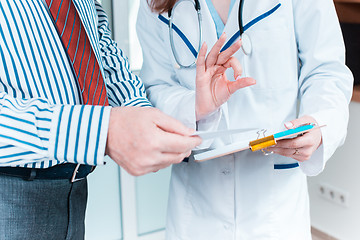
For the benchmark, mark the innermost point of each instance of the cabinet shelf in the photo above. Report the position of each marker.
(347, 1)
(348, 10)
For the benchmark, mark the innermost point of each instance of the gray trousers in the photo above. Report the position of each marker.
(42, 209)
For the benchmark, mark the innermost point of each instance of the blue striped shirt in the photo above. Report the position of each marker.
(42, 121)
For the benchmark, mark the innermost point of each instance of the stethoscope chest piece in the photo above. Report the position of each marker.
(246, 44)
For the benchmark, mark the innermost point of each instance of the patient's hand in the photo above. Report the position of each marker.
(143, 140)
(212, 86)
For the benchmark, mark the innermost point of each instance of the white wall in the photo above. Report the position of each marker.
(342, 172)
(103, 214)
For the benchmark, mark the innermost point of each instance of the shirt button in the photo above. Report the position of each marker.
(226, 226)
(226, 171)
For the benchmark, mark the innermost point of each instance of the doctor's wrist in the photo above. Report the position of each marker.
(203, 115)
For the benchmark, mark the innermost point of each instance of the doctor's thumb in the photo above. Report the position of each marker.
(240, 82)
(294, 123)
(299, 122)
(289, 125)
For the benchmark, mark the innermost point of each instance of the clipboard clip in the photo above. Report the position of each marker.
(262, 143)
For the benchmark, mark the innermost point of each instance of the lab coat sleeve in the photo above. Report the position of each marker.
(123, 87)
(325, 83)
(163, 86)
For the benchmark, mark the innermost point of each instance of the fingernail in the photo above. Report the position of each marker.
(289, 125)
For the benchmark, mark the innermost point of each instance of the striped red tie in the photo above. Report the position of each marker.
(77, 45)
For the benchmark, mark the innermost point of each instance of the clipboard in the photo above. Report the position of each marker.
(206, 135)
(262, 143)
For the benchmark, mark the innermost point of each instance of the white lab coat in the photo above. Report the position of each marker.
(297, 54)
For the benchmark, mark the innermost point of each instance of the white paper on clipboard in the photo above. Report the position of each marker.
(205, 135)
(222, 151)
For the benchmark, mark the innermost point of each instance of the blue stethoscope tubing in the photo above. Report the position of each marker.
(197, 7)
(246, 45)
(171, 32)
(246, 42)
(240, 14)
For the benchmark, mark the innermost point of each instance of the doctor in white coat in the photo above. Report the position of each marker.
(294, 49)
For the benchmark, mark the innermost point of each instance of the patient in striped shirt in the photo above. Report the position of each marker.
(68, 98)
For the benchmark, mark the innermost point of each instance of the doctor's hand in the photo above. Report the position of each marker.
(143, 140)
(212, 86)
(300, 148)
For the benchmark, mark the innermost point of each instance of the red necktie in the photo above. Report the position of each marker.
(77, 45)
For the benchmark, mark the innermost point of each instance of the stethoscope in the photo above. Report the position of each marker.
(246, 42)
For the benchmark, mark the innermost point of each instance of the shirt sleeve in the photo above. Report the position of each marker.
(35, 133)
(123, 87)
(325, 83)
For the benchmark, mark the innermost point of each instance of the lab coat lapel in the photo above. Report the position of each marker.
(186, 20)
(251, 10)
(232, 26)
